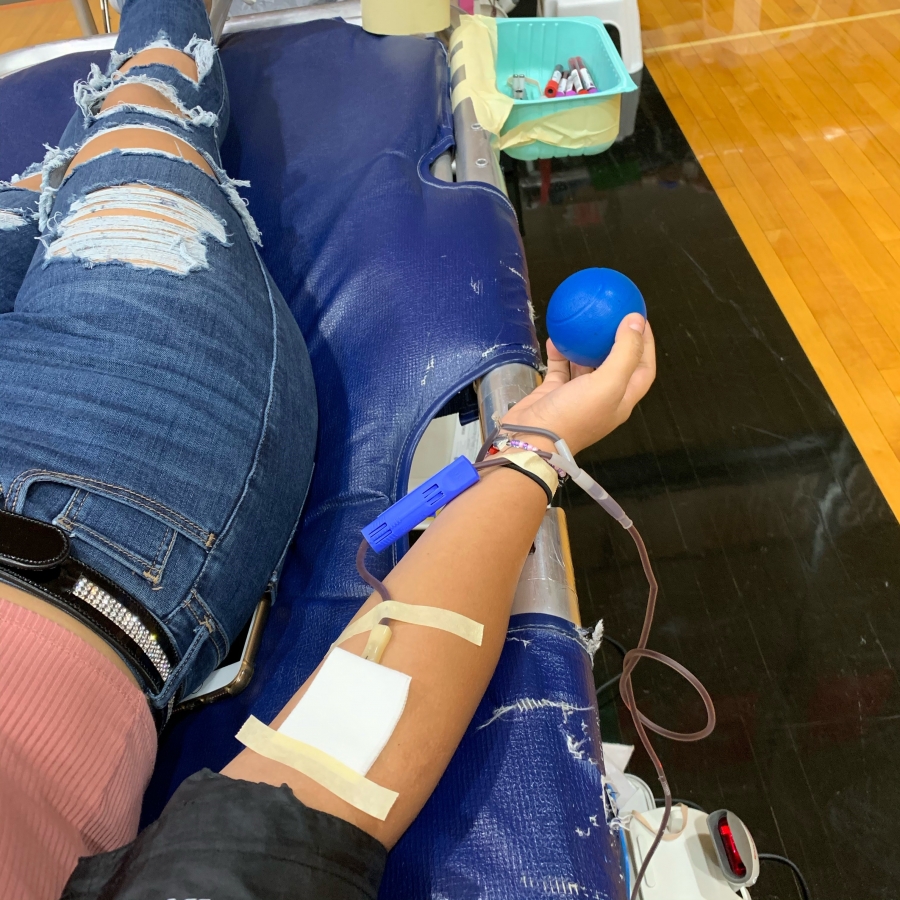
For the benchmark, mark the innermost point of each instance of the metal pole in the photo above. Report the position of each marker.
(348, 10)
(547, 583)
(502, 388)
(475, 157)
(442, 167)
(217, 16)
(85, 17)
(104, 9)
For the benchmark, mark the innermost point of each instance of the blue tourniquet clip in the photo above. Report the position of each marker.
(419, 504)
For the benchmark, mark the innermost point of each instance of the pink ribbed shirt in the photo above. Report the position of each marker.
(77, 746)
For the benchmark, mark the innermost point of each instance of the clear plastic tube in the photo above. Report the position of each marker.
(366, 575)
(564, 460)
(641, 722)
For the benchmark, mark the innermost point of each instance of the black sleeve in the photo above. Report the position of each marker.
(220, 838)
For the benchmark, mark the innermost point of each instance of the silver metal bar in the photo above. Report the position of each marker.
(85, 19)
(218, 13)
(475, 157)
(104, 9)
(502, 388)
(348, 10)
(547, 582)
(16, 60)
(442, 167)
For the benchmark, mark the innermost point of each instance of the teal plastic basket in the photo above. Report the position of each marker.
(533, 47)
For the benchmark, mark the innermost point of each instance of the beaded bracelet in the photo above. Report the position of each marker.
(505, 442)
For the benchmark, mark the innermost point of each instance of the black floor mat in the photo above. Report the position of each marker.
(778, 557)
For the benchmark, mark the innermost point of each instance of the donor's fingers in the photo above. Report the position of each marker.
(558, 369)
(644, 374)
(626, 354)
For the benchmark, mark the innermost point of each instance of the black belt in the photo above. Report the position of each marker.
(34, 557)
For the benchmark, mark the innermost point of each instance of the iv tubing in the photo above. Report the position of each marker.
(564, 459)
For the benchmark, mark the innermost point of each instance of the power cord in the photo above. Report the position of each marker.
(798, 875)
(620, 648)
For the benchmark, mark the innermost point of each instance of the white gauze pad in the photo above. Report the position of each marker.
(350, 710)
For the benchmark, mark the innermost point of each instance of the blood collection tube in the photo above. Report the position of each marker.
(552, 88)
(518, 86)
(566, 84)
(577, 86)
(586, 79)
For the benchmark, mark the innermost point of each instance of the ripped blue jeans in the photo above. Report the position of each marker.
(156, 396)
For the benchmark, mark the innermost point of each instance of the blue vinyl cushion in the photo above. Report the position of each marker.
(407, 289)
(519, 812)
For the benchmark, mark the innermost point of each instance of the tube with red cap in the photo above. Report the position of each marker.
(578, 64)
(552, 88)
(577, 85)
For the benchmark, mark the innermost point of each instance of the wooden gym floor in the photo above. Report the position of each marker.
(39, 21)
(793, 109)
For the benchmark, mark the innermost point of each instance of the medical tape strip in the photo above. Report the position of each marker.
(535, 465)
(334, 776)
(430, 616)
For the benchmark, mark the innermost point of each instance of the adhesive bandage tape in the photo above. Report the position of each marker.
(539, 467)
(430, 616)
(343, 782)
(350, 710)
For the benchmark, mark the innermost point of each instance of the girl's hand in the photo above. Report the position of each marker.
(583, 405)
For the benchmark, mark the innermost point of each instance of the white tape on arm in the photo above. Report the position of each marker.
(342, 781)
(338, 729)
(430, 616)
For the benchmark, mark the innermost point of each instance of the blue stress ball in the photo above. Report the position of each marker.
(585, 311)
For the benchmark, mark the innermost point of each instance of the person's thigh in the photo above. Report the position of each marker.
(156, 397)
(18, 239)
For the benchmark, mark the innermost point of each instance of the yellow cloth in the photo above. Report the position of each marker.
(405, 16)
(574, 129)
(478, 53)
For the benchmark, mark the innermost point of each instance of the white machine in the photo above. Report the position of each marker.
(701, 857)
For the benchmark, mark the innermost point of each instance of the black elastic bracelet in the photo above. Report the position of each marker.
(537, 480)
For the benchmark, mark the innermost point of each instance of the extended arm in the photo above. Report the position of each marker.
(245, 834)
(469, 561)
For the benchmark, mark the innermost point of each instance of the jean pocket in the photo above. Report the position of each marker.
(141, 543)
(135, 532)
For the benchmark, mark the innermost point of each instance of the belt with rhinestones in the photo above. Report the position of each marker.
(34, 557)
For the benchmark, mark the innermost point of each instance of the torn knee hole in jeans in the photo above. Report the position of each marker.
(141, 226)
(201, 50)
(91, 94)
(11, 219)
(149, 140)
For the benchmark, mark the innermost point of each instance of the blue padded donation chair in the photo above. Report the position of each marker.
(411, 288)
